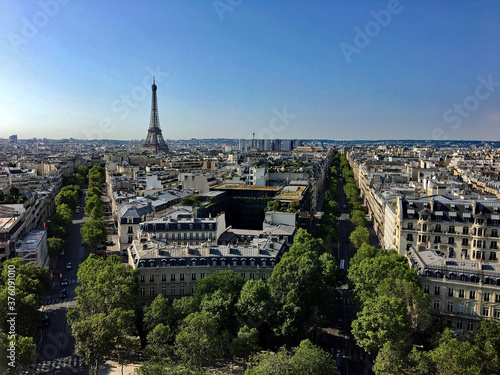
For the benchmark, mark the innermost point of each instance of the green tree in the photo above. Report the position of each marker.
(359, 236)
(310, 359)
(102, 321)
(158, 312)
(24, 354)
(198, 340)
(160, 341)
(96, 213)
(69, 197)
(418, 304)
(228, 282)
(93, 233)
(488, 340)
(382, 319)
(453, 357)
(358, 218)
(246, 343)
(255, 306)
(307, 359)
(93, 191)
(302, 285)
(91, 203)
(54, 246)
(368, 274)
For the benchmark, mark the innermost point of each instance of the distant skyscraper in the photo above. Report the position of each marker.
(286, 145)
(13, 139)
(242, 145)
(154, 140)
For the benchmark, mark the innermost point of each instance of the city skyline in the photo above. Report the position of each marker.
(227, 69)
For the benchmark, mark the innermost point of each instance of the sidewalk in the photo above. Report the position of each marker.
(113, 368)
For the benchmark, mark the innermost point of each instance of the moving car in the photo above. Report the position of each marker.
(63, 294)
(45, 321)
(64, 282)
(69, 266)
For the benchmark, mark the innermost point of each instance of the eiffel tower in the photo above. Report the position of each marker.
(154, 140)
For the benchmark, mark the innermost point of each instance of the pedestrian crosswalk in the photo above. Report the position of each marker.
(54, 300)
(49, 367)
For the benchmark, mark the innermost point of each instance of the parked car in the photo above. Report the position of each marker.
(109, 243)
(63, 294)
(69, 266)
(101, 247)
(64, 282)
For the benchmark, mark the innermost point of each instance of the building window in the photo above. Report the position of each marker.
(438, 228)
(486, 297)
(243, 274)
(494, 233)
(163, 290)
(142, 278)
(472, 294)
(252, 275)
(172, 277)
(172, 290)
(142, 292)
(409, 237)
(202, 275)
(465, 242)
(163, 277)
(451, 241)
(193, 276)
(410, 226)
(497, 298)
(450, 307)
(130, 229)
(450, 292)
(130, 238)
(471, 310)
(424, 238)
(470, 326)
(497, 313)
(465, 230)
(181, 277)
(437, 239)
(451, 229)
(426, 289)
(152, 291)
(263, 276)
(436, 304)
(424, 227)
(460, 308)
(461, 293)
(486, 311)
(181, 290)
(436, 290)
(459, 324)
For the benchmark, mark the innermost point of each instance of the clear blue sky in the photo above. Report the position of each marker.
(281, 69)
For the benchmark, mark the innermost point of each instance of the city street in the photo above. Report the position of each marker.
(55, 344)
(337, 338)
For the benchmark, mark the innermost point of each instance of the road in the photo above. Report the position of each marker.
(55, 343)
(339, 342)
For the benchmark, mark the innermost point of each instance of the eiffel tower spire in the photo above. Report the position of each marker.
(154, 140)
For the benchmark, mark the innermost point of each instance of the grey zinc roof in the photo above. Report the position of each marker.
(134, 209)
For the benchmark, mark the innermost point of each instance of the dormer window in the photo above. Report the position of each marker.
(190, 226)
(178, 226)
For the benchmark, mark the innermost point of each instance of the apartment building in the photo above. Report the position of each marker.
(461, 228)
(173, 271)
(182, 228)
(462, 291)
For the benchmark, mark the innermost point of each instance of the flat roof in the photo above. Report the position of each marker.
(246, 187)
